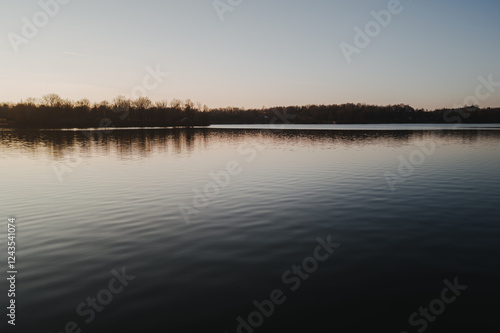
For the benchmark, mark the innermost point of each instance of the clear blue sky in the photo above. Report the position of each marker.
(264, 52)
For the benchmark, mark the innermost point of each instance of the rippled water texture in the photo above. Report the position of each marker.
(87, 206)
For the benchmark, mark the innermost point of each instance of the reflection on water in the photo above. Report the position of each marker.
(86, 206)
(144, 143)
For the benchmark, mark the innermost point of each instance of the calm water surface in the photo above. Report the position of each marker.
(88, 205)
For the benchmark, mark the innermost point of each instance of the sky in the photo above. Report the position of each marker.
(253, 53)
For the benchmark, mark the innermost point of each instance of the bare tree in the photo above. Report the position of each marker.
(142, 103)
(31, 101)
(188, 104)
(104, 104)
(163, 104)
(67, 103)
(122, 102)
(52, 100)
(176, 103)
(84, 103)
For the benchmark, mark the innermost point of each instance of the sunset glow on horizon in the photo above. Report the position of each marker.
(427, 54)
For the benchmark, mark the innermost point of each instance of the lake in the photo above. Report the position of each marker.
(393, 228)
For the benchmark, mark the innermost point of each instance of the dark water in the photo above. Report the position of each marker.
(87, 206)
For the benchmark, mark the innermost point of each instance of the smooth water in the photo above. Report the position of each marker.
(409, 209)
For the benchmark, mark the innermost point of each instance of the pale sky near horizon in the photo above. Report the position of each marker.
(264, 52)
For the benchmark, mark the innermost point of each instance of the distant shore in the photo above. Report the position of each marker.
(55, 113)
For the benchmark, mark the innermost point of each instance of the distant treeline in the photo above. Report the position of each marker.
(353, 114)
(54, 112)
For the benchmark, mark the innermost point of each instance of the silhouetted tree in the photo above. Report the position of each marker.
(142, 103)
(52, 100)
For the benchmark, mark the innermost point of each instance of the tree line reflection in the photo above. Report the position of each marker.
(127, 143)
